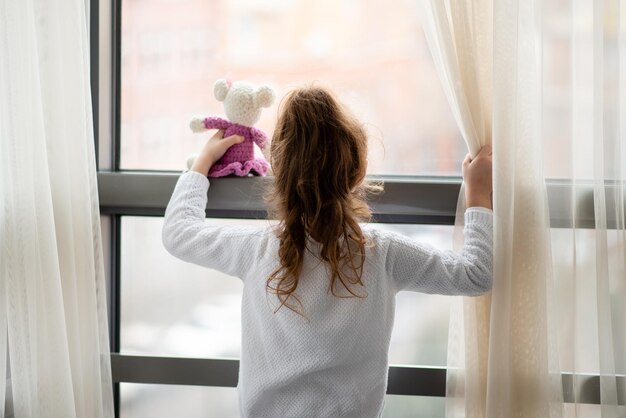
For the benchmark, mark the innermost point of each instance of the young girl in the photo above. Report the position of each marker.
(319, 290)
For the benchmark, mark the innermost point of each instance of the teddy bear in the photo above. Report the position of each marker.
(243, 103)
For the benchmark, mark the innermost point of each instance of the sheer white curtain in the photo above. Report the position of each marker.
(590, 257)
(459, 34)
(53, 319)
(523, 374)
(559, 294)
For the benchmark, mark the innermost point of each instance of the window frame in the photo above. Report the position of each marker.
(407, 199)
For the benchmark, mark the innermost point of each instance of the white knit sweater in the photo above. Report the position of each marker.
(333, 361)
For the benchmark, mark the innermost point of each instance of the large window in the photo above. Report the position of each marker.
(167, 56)
(373, 54)
(157, 62)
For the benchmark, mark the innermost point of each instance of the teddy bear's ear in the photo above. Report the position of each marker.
(220, 89)
(264, 96)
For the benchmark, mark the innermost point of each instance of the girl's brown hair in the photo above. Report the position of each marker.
(319, 160)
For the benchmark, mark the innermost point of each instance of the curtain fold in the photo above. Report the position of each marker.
(594, 302)
(523, 371)
(54, 303)
(459, 35)
(607, 144)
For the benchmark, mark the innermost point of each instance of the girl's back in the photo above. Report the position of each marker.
(319, 290)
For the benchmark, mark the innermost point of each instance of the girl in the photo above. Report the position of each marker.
(319, 290)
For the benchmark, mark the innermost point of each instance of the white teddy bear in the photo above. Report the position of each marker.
(243, 103)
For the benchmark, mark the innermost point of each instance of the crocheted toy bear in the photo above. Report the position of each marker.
(242, 104)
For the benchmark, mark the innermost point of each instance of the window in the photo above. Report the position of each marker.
(373, 55)
(165, 401)
(153, 66)
(148, 318)
(177, 309)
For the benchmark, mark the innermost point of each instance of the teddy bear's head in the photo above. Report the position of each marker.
(243, 101)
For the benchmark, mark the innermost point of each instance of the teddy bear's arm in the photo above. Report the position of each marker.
(213, 122)
(259, 137)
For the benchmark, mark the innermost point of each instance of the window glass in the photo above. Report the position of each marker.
(373, 55)
(165, 401)
(174, 308)
(575, 263)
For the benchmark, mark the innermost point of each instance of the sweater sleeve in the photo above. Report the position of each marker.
(187, 236)
(423, 268)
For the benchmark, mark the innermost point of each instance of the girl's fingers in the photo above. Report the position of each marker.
(467, 160)
(234, 139)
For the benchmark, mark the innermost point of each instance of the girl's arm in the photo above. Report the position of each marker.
(185, 233)
(423, 268)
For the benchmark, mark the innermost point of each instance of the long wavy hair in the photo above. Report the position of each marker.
(319, 159)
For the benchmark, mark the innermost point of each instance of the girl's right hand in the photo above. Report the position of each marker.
(478, 178)
(213, 150)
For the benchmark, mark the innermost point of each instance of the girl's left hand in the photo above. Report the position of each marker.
(213, 150)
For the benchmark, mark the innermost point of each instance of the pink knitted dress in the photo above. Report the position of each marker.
(239, 159)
